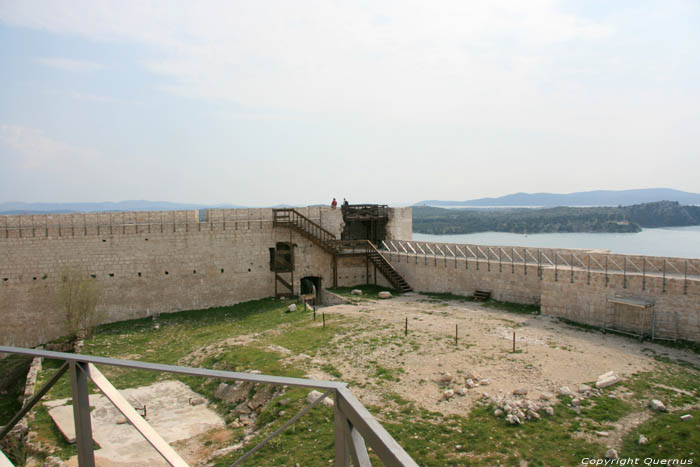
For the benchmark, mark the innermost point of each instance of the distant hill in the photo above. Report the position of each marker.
(584, 198)
(16, 207)
(435, 220)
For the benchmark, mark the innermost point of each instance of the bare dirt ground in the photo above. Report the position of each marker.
(549, 354)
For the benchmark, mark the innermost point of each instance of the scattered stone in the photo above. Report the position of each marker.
(458, 447)
(532, 415)
(657, 406)
(513, 419)
(282, 412)
(583, 388)
(642, 440)
(449, 394)
(604, 434)
(122, 421)
(686, 417)
(156, 326)
(473, 375)
(292, 307)
(546, 396)
(312, 396)
(484, 382)
(576, 402)
(611, 454)
(520, 392)
(498, 413)
(197, 401)
(462, 391)
(356, 292)
(564, 391)
(384, 294)
(549, 411)
(444, 379)
(606, 379)
(470, 383)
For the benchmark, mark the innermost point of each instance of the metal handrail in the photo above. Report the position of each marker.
(583, 259)
(354, 425)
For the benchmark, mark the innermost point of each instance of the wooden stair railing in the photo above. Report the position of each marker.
(302, 224)
(288, 217)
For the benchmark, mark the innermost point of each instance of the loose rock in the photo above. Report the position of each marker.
(564, 391)
(606, 379)
(449, 394)
(642, 440)
(520, 392)
(292, 307)
(657, 406)
(686, 417)
(356, 292)
(611, 454)
(384, 294)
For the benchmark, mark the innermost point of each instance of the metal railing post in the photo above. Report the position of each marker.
(342, 456)
(81, 414)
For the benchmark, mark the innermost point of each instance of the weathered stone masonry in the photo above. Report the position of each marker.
(149, 263)
(564, 292)
(159, 262)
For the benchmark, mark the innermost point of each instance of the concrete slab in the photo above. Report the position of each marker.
(169, 412)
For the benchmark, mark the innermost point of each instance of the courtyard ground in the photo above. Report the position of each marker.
(400, 357)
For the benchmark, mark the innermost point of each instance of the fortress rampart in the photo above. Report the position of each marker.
(159, 262)
(605, 290)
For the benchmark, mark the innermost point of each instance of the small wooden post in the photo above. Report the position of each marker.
(405, 329)
(324, 319)
(456, 333)
(513, 341)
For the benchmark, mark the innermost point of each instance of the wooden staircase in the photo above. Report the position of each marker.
(293, 219)
(394, 278)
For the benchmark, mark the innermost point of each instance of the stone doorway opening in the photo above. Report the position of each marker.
(310, 289)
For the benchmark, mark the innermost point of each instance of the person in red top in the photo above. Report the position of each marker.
(334, 204)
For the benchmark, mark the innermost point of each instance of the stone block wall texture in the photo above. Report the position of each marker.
(150, 263)
(566, 294)
(160, 262)
(400, 224)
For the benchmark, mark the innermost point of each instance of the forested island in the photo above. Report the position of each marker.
(441, 221)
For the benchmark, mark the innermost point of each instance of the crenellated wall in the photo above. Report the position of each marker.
(160, 262)
(147, 262)
(578, 293)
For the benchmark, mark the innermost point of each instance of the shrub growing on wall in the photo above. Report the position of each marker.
(79, 297)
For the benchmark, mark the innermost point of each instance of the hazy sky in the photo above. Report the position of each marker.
(267, 102)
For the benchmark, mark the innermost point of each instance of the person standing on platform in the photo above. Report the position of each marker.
(334, 204)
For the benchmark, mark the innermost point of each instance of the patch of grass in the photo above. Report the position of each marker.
(331, 370)
(604, 409)
(388, 374)
(669, 438)
(13, 374)
(446, 296)
(511, 307)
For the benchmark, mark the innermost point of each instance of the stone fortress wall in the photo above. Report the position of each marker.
(150, 263)
(159, 262)
(585, 294)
